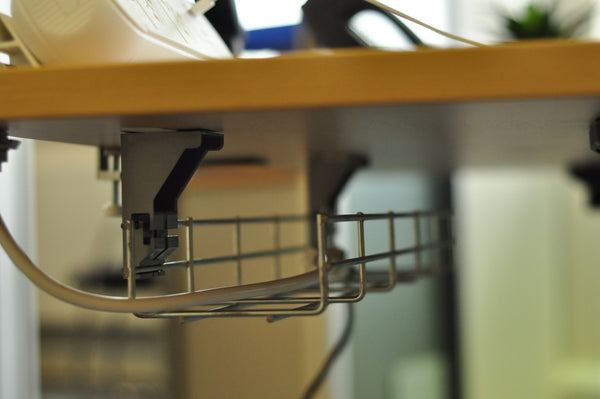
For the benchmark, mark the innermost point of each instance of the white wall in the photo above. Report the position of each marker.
(509, 231)
(529, 284)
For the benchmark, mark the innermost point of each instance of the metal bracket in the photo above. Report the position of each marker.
(594, 134)
(157, 165)
(328, 174)
(589, 173)
(109, 168)
(6, 144)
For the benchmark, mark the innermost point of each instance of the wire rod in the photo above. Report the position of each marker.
(221, 259)
(246, 220)
(355, 217)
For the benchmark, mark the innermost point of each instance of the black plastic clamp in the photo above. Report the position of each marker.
(165, 201)
(6, 144)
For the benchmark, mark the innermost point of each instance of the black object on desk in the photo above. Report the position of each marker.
(328, 21)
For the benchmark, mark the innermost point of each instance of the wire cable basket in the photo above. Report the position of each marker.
(330, 276)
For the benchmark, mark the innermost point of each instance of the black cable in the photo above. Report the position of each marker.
(333, 355)
(414, 39)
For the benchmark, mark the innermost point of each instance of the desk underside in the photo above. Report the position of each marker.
(526, 103)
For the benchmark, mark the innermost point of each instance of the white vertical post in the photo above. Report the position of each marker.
(19, 322)
(513, 229)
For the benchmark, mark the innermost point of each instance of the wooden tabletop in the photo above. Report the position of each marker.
(471, 97)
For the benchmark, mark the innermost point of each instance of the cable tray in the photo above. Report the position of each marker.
(330, 276)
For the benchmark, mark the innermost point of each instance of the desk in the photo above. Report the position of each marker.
(517, 103)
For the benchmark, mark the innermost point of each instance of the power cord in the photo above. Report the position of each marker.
(333, 355)
(146, 304)
(423, 24)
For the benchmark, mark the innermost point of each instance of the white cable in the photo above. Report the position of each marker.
(147, 304)
(423, 24)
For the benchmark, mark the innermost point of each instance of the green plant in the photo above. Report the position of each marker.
(541, 21)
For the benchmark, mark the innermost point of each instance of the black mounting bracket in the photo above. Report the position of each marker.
(165, 201)
(157, 165)
(589, 172)
(6, 144)
(328, 174)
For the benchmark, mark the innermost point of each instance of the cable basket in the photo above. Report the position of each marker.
(416, 244)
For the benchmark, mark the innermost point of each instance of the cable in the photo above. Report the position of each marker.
(333, 355)
(414, 39)
(423, 24)
(147, 304)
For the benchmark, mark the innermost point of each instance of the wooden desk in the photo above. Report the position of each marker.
(528, 103)
(520, 103)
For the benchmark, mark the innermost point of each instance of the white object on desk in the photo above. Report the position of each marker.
(97, 31)
(12, 46)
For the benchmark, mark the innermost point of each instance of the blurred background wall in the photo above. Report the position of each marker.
(529, 283)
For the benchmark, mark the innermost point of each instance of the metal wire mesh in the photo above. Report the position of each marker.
(332, 276)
